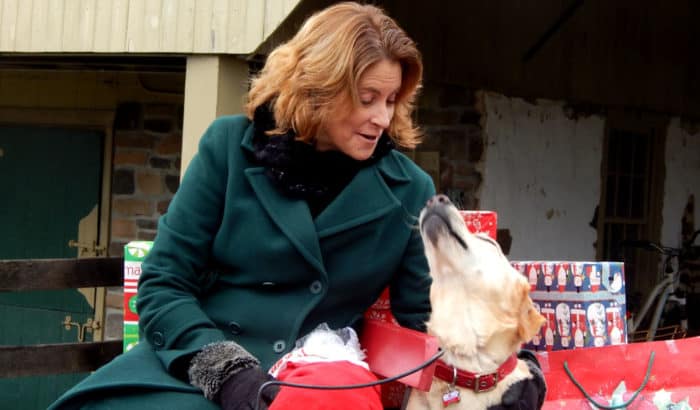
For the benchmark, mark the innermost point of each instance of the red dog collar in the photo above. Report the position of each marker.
(476, 382)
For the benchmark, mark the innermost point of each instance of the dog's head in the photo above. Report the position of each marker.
(473, 269)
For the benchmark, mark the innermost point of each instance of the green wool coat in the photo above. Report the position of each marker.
(234, 259)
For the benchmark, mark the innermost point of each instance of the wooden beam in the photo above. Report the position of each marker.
(556, 26)
(35, 360)
(43, 274)
(214, 86)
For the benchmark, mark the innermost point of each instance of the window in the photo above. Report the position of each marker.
(630, 206)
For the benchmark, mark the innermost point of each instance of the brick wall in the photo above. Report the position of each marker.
(146, 174)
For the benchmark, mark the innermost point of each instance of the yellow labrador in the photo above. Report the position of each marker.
(481, 314)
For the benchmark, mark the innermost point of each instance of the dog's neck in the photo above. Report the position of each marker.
(485, 360)
(467, 334)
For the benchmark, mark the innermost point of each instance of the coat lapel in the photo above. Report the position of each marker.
(366, 198)
(291, 216)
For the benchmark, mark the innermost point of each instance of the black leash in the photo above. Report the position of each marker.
(619, 406)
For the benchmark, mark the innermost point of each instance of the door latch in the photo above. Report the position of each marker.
(88, 249)
(89, 326)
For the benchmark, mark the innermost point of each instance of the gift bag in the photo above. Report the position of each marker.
(666, 372)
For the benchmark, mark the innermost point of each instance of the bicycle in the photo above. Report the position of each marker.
(668, 291)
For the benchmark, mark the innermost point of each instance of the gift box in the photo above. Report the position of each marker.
(610, 375)
(134, 254)
(484, 222)
(392, 350)
(583, 302)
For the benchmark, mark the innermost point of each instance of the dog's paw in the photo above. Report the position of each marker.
(526, 393)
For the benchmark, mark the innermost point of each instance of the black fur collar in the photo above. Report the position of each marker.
(298, 170)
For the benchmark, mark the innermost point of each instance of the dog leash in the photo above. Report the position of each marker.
(618, 406)
(422, 366)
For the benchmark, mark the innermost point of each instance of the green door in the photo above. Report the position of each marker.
(49, 180)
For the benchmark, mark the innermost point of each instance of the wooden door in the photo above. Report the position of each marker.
(49, 187)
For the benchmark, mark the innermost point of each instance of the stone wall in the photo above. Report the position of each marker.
(147, 145)
(450, 117)
(146, 174)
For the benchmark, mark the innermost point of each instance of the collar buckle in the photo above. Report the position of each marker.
(485, 382)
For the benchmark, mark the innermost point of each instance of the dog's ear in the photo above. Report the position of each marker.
(530, 320)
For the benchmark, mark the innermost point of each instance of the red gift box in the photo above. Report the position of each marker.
(392, 350)
(481, 222)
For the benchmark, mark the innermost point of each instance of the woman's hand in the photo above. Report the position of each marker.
(240, 391)
(231, 376)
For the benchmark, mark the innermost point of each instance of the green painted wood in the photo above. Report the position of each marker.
(49, 180)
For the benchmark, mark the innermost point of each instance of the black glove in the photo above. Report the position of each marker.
(527, 394)
(240, 391)
(229, 375)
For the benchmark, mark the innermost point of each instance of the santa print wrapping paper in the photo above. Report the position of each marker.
(484, 222)
(583, 302)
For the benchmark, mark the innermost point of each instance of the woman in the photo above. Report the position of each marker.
(298, 214)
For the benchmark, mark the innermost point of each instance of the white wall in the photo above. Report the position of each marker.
(682, 180)
(542, 176)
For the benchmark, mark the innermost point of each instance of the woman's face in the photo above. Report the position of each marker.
(355, 132)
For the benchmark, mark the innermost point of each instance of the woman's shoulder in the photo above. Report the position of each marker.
(230, 124)
(225, 132)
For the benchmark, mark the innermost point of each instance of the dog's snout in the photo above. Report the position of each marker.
(436, 217)
(439, 199)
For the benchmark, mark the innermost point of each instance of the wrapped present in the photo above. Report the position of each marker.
(481, 222)
(134, 254)
(392, 350)
(381, 310)
(610, 376)
(583, 302)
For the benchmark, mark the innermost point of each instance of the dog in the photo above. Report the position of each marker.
(481, 314)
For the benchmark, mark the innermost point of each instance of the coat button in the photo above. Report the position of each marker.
(235, 328)
(279, 346)
(158, 339)
(316, 287)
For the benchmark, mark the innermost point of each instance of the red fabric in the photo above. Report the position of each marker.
(327, 374)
